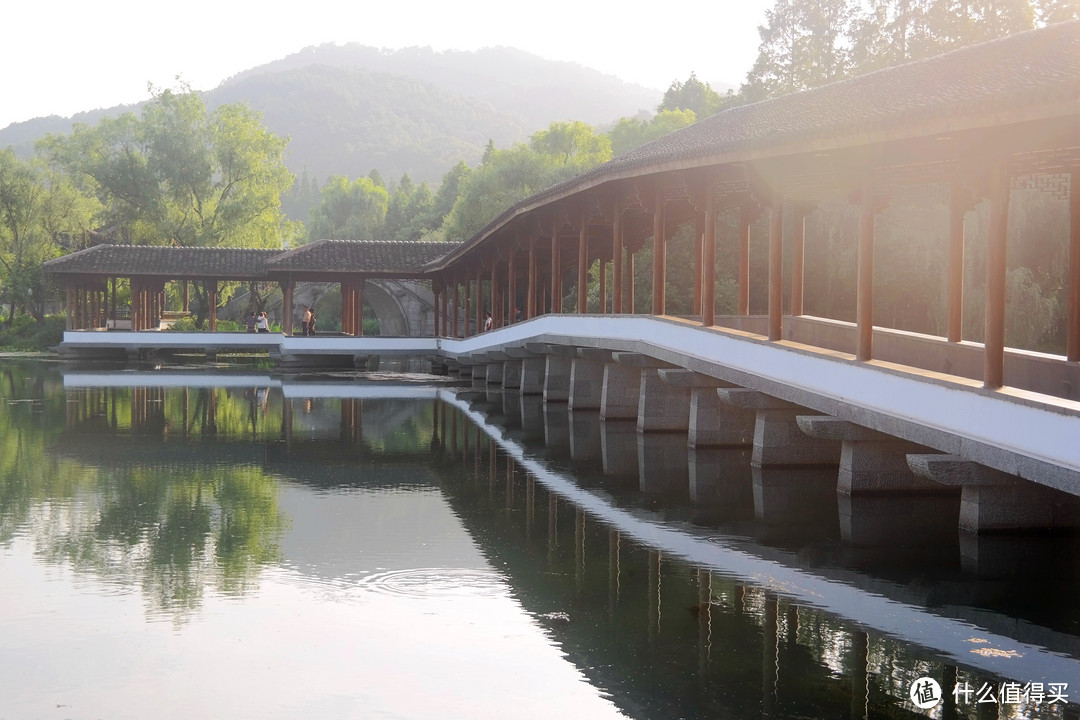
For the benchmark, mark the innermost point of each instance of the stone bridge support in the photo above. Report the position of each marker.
(778, 440)
(869, 461)
(992, 501)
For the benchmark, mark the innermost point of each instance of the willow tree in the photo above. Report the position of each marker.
(181, 175)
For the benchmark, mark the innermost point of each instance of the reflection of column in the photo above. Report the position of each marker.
(286, 421)
(553, 524)
(452, 438)
(530, 506)
(769, 659)
(211, 410)
(352, 410)
(654, 594)
(579, 549)
(948, 700)
(509, 485)
(493, 470)
(613, 570)
(704, 579)
(860, 700)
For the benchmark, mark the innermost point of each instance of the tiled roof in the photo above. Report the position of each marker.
(172, 262)
(324, 256)
(1025, 76)
(376, 256)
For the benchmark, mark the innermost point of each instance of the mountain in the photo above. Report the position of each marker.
(351, 108)
(515, 81)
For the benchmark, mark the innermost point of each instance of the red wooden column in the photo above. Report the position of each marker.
(708, 262)
(630, 285)
(1072, 341)
(864, 292)
(603, 285)
(798, 259)
(69, 306)
(437, 306)
(211, 294)
(136, 305)
(556, 269)
(287, 288)
(583, 266)
(994, 340)
(530, 300)
(746, 215)
(617, 244)
(479, 298)
(511, 285)
(454, 309)
(186, 297)
(659, 257)
(699, 244)
(468, 302)
(776, 268)
(496, 296)
(347, 289)
(358, 311)
(959, 204)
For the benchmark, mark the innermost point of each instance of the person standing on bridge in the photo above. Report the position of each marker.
(305, 323)
(263, 323)
(487, 321)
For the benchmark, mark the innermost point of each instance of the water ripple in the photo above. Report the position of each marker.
(437, 583)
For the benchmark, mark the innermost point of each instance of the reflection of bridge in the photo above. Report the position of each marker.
(627, 551)
(897, 411)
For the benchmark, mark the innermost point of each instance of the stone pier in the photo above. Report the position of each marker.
(587, 378)
(556, 370)
(530, 370)
(778, 440)
(993, 501)
(496, 361)
(619, 398)
(711, 424)
(662, 407)
(869, 461)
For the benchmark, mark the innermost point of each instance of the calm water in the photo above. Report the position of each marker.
(176, 544)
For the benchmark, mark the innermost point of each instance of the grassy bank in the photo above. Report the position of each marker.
(27, 335)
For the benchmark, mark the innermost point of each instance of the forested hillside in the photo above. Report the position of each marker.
(349, 109)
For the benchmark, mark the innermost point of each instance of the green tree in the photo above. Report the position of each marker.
(508, 176)
(630, 133)
(350, 210)
(693, 95)
(181, 175)
(801, 47)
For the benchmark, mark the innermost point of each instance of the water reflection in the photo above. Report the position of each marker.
(426, 523)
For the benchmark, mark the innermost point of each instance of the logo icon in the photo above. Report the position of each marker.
(925, 693)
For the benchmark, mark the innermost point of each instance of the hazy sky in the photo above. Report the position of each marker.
(59, 58)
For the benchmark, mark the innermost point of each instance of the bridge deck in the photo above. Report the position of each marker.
(1019, 432)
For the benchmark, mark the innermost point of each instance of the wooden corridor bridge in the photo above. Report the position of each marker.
(899, 411)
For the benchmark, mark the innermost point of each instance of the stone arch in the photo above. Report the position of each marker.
(388, 308)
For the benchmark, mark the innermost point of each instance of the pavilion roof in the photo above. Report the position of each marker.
(388, 257)
(327, 257)
(1026, 76)
(172, 262)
